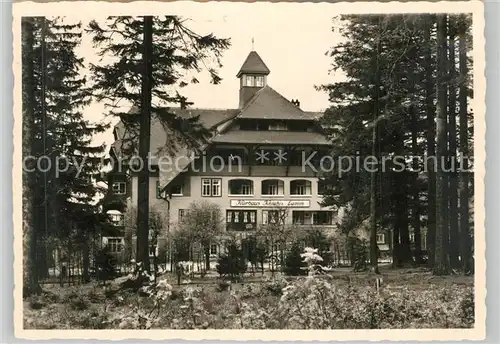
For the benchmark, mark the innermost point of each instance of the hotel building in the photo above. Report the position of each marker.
(252, 165)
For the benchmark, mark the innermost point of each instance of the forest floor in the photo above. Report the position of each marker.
(95, 306)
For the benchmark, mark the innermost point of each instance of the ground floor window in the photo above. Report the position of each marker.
(115, 245)
(323, 218)
(423, 240)
(117, 219)
(241, 219)
(213, 249)
(273, 217)
(302, 218)
(182, 215)
(381, 238)
(313, 217)
(153, 250)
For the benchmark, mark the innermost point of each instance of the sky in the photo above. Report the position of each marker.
(292, 45)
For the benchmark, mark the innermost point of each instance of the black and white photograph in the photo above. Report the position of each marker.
(249, 166)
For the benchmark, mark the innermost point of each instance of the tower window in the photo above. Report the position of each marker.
(250, 80)
(259, 81)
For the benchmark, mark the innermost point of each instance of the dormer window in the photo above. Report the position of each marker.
(259, 81)
(278, 125)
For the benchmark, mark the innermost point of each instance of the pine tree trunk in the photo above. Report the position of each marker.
(86, 260)
(452, 138)
(144, 143)
(415, 188)
(396, 242)
(373, 209)
(441, 263)
(30, 279)
(373, 174)
(401, 231)
(207, 257)
(406, 256)
(465, 240)
(413, 177)
(431, 144)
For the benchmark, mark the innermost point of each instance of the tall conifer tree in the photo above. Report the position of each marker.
(178, 53)
(65, 194)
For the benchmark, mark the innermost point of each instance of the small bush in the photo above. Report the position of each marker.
(359, 254)
(294, 264)
(176, 294)
(95, 297)
(275, 286)
(233, 264)
(80, 303)
(467, 308)
(317, 239)
(36, 302)
(223, 286)
(106, 265)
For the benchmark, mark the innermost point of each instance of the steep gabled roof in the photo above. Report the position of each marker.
(209, 118)
(254, 65)
(269, 104)
(266, 104)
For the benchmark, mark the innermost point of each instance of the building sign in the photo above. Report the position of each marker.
(269, 203)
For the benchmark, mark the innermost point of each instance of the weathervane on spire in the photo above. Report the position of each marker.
(253, 41)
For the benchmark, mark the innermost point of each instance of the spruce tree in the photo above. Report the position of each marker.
(430, 111)
(294, 264)
(370, 118)
(65, 194)
(178, 54)
(30, 278)
(441, 259)
(454, 245)
(389, 98)
(464, 231)
(149, 77)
